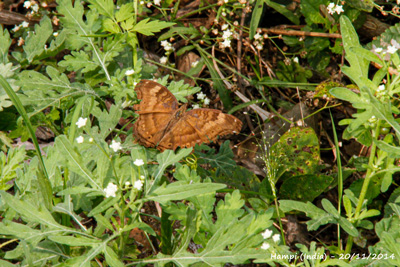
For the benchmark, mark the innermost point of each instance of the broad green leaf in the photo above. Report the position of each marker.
(318, 216)
(179, 192)
(327, 205)
(29, 212)
(182, 90)
(78, 61)
(104, 7)
(8, 164)
(105, 204)
(310, 10)
(36, 41)
(229, 210)
(284, 11)
(6, 263)
(75, 241)
(5, 43)
(125, 12)
(148, 28)
(7, 71)
(112, 258)
(76, 162)
(367, 54)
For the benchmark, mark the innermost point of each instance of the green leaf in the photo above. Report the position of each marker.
(125, 12)
(78, 61)
(105, 204)
(178, 191)
(327, 205)
(5, 43)
(255, 17)
(35, 42)
(317, 215)
(9, 163)
(29, 212)
(191, 30)
(182, 90)
(75, 241)
(310, 10)
(112, 258)
(284, 11)
(104, 7)
(148, 28)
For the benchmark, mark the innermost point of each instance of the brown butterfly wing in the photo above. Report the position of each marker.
(199, 126)
(156, 109)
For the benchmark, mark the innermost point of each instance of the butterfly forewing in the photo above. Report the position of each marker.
(156, 109)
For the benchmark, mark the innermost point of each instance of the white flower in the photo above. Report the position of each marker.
(163, 60)
(142, 177)
(224, 27)
(138, 184)
(200, 95)
(129, 72)
(90, 139)
(195, 106)
(55, 34)
(391, 49)
(330, 8)
(194, 64)
(296, 59)
(127, 183)
(276, 238)
(138, 162)
(223, 14)
(226, 43)
(35, 8)
(266, 234)
(265, 246)
(157, 2)
(25, 24)
(16, 28)
(226, 1)
(79, 139)
(21, 41)
(339, 9)
(259, 47)
(206, 101)
(81, 122)
(257, 36)
(378, 49)
(115, 146)
(227, 34)
(27, 4)
(381, 87)
(164, 43)
(110, 190)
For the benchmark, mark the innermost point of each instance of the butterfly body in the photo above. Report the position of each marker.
(165, 125)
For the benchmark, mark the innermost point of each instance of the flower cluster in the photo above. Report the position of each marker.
(258, 41)
(168, 50)
(110, 190)
(227, 36)
(388, 51)
(31, 5)
(333, 8)
(202, 98)
(266, 235)
(24, 24)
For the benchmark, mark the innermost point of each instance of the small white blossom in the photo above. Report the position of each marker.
(79, 139)
(391, 49)
(110, 190)
(21, 41)
(157, 2)
(138, 184)
(138, 162)
(266, 234)
(91, 139)
(81, 122)
(206, 101)
(276, 238)
(115, 146)
(223, 14)
(142, 177)
(259, 47)
(163, 60)
(296, 59)
(339, 9)
(224, 27)
(381, 87)
(127, 183)
(200, 95)
(25, 24)
(378, 49)
(129, 72)
(331, 8)
(194, 64)
(35, 8)
(55, 34)
(226, 43)
(257, 36)
(27, 4)
(195, 106)
(265, 246)
(16, 28)
(227, 34)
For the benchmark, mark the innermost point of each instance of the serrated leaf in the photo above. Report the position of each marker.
(230, 209)
(78, 61)
(148, 28)
(125, 12)
(182, 90)
(36, 41)
(104, 7)
(310, 10)
(9, 164)
(6, 70)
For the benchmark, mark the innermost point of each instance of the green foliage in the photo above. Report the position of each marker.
(9, 163)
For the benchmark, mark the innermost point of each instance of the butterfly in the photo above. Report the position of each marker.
(164, 125)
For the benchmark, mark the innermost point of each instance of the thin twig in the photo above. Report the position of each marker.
(301, 33)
